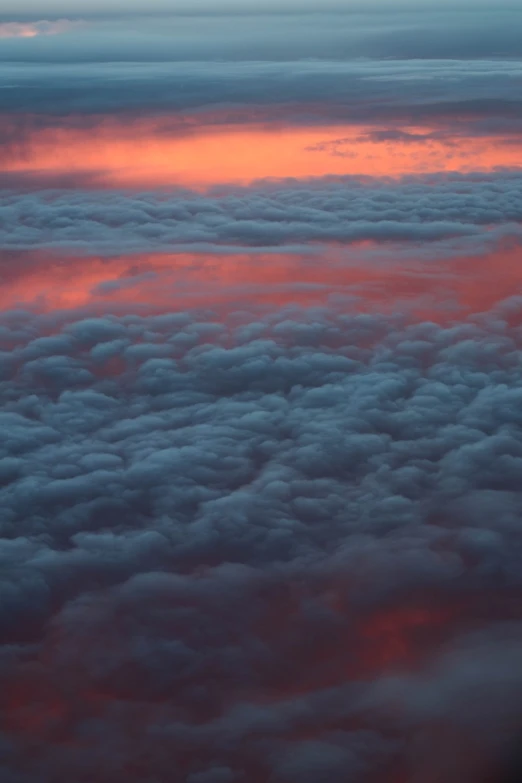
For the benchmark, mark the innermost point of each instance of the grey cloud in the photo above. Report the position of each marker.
(266, 547)
(417, 210)
(210, 8)
(310, 90)
(419, 33)
(224, 542)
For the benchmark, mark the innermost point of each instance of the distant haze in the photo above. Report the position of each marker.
(37, 8)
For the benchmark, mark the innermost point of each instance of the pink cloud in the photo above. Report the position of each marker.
(34, 29)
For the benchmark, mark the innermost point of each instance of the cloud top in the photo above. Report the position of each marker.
(277, 548)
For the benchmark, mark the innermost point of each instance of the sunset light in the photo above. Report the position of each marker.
(139, 155)
(260, 391)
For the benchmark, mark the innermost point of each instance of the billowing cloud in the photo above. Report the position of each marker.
(260, 393)
(344, 210)
(271, 548)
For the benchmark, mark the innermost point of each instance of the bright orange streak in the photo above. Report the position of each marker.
(141, 155)
(164, 282)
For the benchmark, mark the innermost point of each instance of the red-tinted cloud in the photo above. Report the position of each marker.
(160, 282)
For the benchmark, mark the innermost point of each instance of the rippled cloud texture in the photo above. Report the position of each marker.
(260, 393)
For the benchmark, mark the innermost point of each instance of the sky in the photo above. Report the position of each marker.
(260, 391)
(200, 8)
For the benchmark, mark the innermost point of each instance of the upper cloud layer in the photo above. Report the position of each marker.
(310, 91)
(261, 544)
(418, 32)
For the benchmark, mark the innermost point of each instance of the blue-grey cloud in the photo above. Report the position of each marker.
(217, 8)
(360, 89)
(423, 33)
(418, 210)
(213, 531)
(266, 546)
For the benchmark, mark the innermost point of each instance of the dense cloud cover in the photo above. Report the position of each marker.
(416, 209)
(344, 33)
(261, 543)
(272, 549)
(363, 90)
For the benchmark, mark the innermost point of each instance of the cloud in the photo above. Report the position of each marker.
(271, 547)
(212, 8)
(330, 34)
(320, 91)
(34, 29)
(257, 542)
(347, 210)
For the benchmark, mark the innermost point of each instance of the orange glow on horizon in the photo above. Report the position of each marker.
(142, 155)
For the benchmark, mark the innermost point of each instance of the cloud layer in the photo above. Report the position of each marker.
(260, 542)
(454, 33)
(258, 548)
(340, 210)
(360, 90)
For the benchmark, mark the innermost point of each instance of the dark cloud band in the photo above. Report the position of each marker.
(358, 90)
